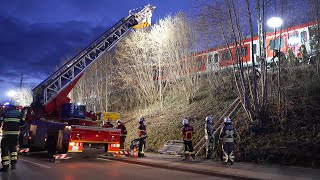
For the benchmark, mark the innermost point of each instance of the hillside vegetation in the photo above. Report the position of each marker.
(293, 139)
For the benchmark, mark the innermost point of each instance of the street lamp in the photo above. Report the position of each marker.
(11, 94)
(274, 22)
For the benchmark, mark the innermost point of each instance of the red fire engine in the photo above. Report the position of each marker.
(58, 126)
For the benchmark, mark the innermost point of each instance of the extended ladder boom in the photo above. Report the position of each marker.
(71, 71)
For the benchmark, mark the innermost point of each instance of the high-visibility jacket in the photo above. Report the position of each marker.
(142, 131)
(187, 132)
(228, 133)
(123, 129)
(11, 120)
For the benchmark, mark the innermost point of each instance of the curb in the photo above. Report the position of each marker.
(183, 169)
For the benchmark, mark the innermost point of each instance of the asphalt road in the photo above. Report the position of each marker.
(36, 166)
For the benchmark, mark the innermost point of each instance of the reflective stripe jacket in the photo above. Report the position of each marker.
(142, 131)
(187, 132)
(208, 131)
(123, 129)
(11, 121)
(228, 133)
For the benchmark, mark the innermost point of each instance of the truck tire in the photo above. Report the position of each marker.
(51, 145)
(65, 148)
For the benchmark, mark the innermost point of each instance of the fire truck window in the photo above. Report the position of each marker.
(216, 58)
(210, 58)
(274, 44)
(303, 36)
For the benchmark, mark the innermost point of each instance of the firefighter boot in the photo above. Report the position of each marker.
(13, 166)
(4, 169)
(186, 157)
(193, 156)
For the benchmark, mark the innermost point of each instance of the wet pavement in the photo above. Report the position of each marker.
(37, 166)
(217, 169)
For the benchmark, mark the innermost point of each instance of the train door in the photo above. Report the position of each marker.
(294, 42)
(212, 62)
(201, 63)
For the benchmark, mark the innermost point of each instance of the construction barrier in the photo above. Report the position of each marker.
(122, 152)
(23, 150)
(58, 157)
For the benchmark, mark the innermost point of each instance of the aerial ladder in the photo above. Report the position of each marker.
(47, 127)
(53, 91)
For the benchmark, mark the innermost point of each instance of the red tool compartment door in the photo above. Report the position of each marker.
(94, 134)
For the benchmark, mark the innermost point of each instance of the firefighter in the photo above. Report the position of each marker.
(187, 132)
(209, 137)
(228, 135)
(107, 124)
(11, 119)
(142, 134)
(123, 133)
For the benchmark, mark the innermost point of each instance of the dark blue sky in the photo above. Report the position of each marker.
(36, 35)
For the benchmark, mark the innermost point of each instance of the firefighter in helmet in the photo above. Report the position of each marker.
(11, 119)
(228, 135)
(187, 132)
(123, 133)
(209, 137)
(142, 134)
(107, 124)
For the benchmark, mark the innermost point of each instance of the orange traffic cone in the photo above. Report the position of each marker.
(135, 152)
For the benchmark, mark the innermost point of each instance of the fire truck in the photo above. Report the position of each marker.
(58, 126)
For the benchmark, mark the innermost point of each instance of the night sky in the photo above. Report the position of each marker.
(36, 35)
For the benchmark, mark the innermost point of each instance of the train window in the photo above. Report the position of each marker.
(226, 55)
(210, 58)
(199, 61)
(242, 51)
(216, 58)
(254, 48)
(293, 38)
(303, 36)
(275, 44)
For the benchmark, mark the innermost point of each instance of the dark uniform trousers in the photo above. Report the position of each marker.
(142, 145)
(122, 140)
(9, 144)
(188, 149)
(209, 147)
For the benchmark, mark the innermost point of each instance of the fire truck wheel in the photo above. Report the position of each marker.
(65, 148)
(51, 145)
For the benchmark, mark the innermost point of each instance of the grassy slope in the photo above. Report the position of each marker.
(291, 140)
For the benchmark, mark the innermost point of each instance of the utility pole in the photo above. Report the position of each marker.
(21, 77)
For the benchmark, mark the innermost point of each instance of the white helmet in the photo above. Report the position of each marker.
(185, 121)
(227, 120)
(118, 121)
(141, 120)
(209, 119)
